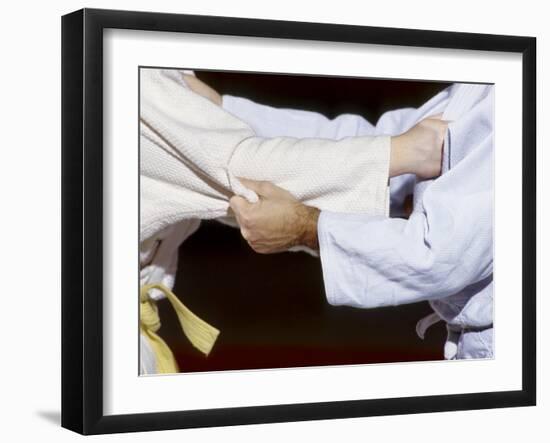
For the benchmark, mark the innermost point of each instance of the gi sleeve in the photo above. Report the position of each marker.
(267, 121)
(192, 153)
(443, 247)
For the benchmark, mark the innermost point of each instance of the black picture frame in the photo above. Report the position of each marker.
(82, 220)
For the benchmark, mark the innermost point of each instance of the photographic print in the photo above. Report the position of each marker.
(270, 221)
(294, 221)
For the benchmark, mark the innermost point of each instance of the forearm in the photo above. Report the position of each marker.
(392, 262)
(307, 233)
(442, 248)
(268, 122)
(400, 158)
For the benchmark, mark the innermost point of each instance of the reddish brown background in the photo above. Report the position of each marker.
(272, 310)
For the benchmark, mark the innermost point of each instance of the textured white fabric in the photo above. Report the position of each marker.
(147, 359)
(159, 255)
(158, 260)
(192, 151)
(443, 253)
(267, 121)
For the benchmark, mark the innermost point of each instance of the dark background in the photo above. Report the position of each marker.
(271, 309)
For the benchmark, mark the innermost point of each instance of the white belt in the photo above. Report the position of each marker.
(453, 333)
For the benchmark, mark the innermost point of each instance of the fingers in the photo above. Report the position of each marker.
(262, 188)
(239, 206)
(241, 209)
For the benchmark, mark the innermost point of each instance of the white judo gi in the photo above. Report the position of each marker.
(191, 155)
(444, 251)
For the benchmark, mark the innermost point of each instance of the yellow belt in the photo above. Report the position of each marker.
(200, 334)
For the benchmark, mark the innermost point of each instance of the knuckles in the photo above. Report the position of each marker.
(247, 220)
(254, 241)
(250, 236)
(262, 186)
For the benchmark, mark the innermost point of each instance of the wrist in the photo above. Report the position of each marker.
(307, 233)
(400, 163)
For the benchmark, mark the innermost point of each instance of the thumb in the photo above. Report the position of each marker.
(238, 205)
(262, 188)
